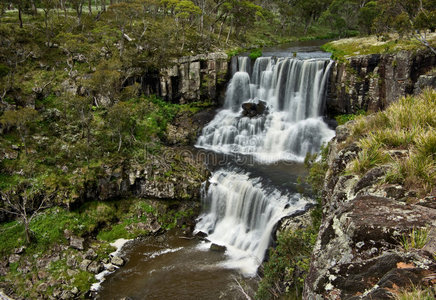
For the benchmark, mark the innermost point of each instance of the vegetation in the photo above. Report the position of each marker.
(98, 222)
(408, 125)
(342, 119)
(344, 48)
(416, 293)
(417, 239)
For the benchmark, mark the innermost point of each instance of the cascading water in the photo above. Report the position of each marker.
(286, 95)
(293, 91)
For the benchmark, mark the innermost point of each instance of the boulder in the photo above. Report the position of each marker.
(76, 242)
(95, 267)
(356, 248)
(84, 264)
(217, 248)
(254, 109)
(117, 261)
(91, 254)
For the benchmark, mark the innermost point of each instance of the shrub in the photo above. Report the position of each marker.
(254, 54)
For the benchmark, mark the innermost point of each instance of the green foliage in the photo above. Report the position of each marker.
(417, 239)
(342, 119)
(288, 264)
(342, 49)
(254, 54)
(317, 166)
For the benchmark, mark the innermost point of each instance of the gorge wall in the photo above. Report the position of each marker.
(371, 82)
(189, 79)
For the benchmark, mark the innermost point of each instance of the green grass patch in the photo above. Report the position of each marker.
(342, 119)
(408, 124)
(342, 49)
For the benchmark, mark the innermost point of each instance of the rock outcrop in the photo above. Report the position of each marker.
(359, 253)
(191, 78)
(371, 82)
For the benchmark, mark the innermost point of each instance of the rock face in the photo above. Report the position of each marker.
(156, 179)
(358, 253)
(191, 78)
(371, 82)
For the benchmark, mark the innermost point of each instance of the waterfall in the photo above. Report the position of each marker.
(240, 212)
(272, 112)
(294, 91)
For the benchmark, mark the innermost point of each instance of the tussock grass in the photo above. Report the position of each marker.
(416, 239)
(408, 124)
(416, 293)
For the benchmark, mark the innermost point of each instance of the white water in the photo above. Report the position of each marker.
(241, 210)
(240, 213)
(294, 91)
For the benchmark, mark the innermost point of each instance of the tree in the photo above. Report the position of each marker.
(25, 202)
(121, 120)
(22, 119)
(47, 6)
(186, 12)
(77, 5)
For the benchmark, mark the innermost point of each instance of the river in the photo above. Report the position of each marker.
(257, 156)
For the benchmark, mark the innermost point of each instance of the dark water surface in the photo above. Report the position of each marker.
(170, 267)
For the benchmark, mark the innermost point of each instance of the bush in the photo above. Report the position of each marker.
(254, 54)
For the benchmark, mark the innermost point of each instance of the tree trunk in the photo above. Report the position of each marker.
(122, 42)
(34, 9)
(20, 17)
(90, 7)
(119, 141)
(230, 32)
(23, 140)
(27, 230)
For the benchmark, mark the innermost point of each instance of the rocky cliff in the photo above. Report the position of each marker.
(360, 252)
(189, 79)
(371, 82)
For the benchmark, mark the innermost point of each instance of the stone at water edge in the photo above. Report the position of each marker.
(217, 248)
(117, 261)
(95, 267)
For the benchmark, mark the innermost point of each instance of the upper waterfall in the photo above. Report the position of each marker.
(293, 90)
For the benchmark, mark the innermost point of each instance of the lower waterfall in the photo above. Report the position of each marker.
(272, 114)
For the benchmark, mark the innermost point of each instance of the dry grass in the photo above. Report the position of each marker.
(408, 124)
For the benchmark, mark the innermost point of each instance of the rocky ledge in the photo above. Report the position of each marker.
(372, 82)
(360, 251)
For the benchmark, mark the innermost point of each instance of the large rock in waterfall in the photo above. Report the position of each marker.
(254, 109)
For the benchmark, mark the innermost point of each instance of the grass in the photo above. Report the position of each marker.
(342, 49)
(408, 124)
(416, 293)
(416, 239)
